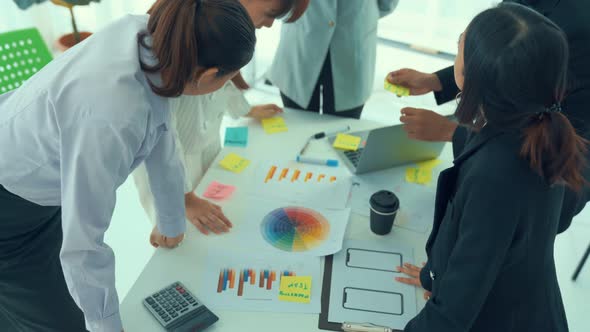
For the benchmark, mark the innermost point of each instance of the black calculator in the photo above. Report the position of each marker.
(177, 310)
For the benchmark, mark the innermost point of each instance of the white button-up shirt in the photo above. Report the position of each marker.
(72, 134)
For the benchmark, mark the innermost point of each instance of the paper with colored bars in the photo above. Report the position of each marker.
(274, 226)
(301, 184)
(252, 281)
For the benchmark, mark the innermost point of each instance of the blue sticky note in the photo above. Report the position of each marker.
(236, 136)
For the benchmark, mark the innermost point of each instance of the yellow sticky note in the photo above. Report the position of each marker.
(295, 289)
(347, 142)
(418, 175)
(397, 89)
(429, 164)
(274, 125)
(233, 162)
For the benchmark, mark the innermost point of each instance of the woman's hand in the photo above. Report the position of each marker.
(159, 240)
(205, 215)
(264, 111)
(414, 277)
(419, 83)
(426, 125)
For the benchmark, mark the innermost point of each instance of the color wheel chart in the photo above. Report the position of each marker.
(294, 229)
(247, 278)
(292, 175)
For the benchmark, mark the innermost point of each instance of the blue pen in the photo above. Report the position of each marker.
(317, 161)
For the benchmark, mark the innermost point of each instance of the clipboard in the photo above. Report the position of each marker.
(323, 323)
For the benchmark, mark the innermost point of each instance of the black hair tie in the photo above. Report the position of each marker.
(555, 108)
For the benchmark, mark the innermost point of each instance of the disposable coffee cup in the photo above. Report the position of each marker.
(384, 207)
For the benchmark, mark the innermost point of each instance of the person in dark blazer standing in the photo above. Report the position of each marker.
(572, 17)
(490, 254)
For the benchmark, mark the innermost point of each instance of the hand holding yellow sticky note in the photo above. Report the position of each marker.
(295, 289)
(397, 89)
(233, 162)
(347, 142)
(274, 125)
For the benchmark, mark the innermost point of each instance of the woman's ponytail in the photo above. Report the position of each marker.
(554, 150)
(188, 34)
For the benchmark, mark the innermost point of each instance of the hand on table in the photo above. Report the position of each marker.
(425, 125)
(159, 240)
(205, 215)
(264, 111)
(414, 277)
(419, 83)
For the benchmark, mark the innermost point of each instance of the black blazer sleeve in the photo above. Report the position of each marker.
(459, 140)
(449, 88)
(425, 278)
(487, 225)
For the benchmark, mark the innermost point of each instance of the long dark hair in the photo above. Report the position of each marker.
(188, 34)
(515, 78)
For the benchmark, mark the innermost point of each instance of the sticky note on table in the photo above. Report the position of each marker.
(429, 164)
(236, 136)
(219, 191)
(418, 175)
(347, 142)
(274, 125)
(295, 289)
(397, 89)
(233, 162)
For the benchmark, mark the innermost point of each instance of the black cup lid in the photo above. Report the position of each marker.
(384, 201)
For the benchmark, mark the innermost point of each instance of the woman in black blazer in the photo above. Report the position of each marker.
(570, 15)
(490, 254)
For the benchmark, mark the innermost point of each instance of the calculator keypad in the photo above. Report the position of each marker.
(172, 303)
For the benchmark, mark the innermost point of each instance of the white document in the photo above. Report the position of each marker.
(297, 183)
(363, 288)
(280, 227)
(247, 291)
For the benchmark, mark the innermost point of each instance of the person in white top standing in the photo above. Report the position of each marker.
(326, 60)
(72, 134)
(197, 120)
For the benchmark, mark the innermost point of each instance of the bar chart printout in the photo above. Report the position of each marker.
(251, 281)
(300, 183)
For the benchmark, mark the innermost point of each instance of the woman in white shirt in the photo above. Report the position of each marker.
(198, 120)
(73, 133)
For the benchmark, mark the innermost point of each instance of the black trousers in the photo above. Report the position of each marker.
(33, 291)
(325, 83)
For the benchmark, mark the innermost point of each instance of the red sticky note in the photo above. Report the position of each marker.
(219, 191)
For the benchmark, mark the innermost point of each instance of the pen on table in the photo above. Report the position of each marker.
(330, 133)
(354, 327)
(317, 161)
(322, 135)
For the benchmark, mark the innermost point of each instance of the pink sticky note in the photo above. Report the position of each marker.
(218, 191)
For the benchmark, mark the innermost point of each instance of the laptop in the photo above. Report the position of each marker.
(385, 148)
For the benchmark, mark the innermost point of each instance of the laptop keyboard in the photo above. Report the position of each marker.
(354, 156)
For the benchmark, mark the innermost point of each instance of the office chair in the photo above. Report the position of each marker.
(581, 264)
(22, 54)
